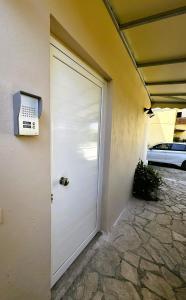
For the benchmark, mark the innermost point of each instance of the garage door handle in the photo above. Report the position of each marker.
(64, 181)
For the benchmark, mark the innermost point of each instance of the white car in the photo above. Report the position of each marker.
(169, 153)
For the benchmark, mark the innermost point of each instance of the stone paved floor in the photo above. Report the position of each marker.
(145, 255)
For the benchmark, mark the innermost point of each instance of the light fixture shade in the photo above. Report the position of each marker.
(149, 112)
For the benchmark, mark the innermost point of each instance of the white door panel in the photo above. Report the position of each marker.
(76, 99)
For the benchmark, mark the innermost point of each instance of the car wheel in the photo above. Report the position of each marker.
(183, 166)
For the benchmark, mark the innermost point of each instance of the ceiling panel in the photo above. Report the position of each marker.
(168, 99)
(180, 98)
(164, 102)
(160, 40)
(128, 10)
(155, 42)
(173, 88)
(164, 72)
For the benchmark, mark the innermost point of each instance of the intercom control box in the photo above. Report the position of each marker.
(27, 111)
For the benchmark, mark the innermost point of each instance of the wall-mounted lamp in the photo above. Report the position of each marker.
(149, 112)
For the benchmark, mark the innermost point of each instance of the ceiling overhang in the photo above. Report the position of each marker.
(153, 33)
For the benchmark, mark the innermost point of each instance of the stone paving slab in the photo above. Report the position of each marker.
(144, 257)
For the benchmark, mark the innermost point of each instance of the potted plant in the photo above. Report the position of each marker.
(146, 182)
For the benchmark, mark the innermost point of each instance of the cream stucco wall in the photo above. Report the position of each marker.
(161, 127)
(24, 164)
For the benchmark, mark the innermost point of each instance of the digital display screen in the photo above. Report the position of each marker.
(27, 123)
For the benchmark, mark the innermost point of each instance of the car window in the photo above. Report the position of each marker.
(162, 147)
(178, 147)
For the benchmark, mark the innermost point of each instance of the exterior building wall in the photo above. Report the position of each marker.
(184, 113)
(180, 128)
(161, 127)
(25, 162)
(181, 134)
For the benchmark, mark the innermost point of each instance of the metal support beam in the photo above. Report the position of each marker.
(154, 18)
(168, 104)
(151, 83)
(170, 99)
(122, 36)
(162, 62)
(124, 40)
(167, 94)
(174, 98)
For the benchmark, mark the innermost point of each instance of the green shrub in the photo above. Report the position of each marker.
(176, 139)
(146, 182)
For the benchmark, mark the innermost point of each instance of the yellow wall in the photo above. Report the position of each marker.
(161, 126)
(24, 164)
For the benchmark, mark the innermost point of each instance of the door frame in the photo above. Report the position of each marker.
(98, 80)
